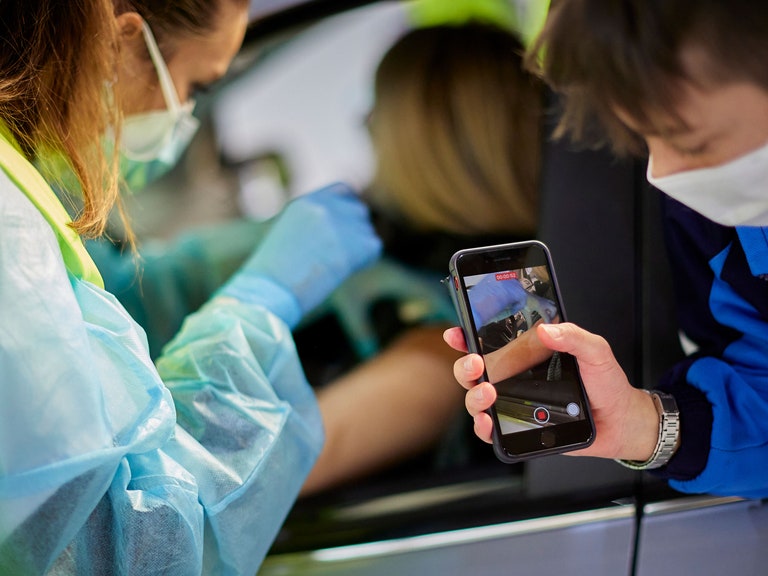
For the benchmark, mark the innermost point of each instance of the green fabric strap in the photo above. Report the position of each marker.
(28, 179)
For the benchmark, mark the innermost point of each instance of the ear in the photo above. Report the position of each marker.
(129, 26)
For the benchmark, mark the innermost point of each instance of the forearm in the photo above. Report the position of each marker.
(170, 280)
(391, 407)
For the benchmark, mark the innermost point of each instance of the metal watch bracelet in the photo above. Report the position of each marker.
(669, 432)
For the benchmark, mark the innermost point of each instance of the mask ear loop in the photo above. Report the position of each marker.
(166, 83)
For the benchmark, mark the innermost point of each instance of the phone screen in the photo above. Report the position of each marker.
(541, 406)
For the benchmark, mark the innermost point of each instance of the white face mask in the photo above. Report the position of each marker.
(158, 137)
(732, 194)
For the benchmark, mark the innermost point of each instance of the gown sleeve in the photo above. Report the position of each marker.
(110, 464)
(172, 279)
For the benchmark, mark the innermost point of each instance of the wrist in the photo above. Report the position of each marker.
(642, 431)
(658, 443)
(265, 292)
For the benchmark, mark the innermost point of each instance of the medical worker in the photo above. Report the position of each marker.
(110, 463)
(686, 83)
(166, 282)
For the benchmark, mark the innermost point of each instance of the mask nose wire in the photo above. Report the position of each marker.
(166, 82)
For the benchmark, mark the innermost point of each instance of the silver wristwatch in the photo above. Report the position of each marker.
(669, 433)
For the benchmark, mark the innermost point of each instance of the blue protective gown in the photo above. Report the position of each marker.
(112, 465)
(170, 280)
(721, 278)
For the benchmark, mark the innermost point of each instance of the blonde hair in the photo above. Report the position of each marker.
(456, 128)
(56, 61)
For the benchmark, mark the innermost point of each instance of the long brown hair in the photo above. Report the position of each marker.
(605, 55)
(58, 65)
(456, 128)
(56, 59)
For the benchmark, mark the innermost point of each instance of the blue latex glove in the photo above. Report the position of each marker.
(493, 300)
(317, 241)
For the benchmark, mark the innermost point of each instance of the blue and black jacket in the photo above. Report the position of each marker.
(721, 280)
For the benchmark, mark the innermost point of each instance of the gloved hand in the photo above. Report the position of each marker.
(493, 300)
(317, 241)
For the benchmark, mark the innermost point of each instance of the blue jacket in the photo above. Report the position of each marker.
(721, 279)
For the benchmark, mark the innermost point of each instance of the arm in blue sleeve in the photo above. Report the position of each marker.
(721, 390)
(696, 429)
(249, 427)
(96, 476)
(724, 445)
(173, 279)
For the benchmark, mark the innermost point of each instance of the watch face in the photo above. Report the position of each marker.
(665, 403)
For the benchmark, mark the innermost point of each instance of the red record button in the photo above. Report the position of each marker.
(541, 415)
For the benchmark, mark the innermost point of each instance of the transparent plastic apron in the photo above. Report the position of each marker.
(33, 185)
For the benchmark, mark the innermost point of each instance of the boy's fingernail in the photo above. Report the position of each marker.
(553, 330)
(468, 363)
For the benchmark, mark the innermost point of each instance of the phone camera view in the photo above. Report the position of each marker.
(536, 387)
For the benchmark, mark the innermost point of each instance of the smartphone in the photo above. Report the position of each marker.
(501, 293)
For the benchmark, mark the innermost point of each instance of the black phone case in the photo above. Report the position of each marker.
(453, 283)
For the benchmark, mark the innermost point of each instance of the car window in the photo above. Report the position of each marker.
(306, 103)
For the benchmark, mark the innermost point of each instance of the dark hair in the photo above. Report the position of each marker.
(175, 17)
(608, 54)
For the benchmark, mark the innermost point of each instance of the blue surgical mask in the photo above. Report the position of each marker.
(152, 142)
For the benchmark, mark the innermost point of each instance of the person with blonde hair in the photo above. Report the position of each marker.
(456, 125)
(110, 463)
